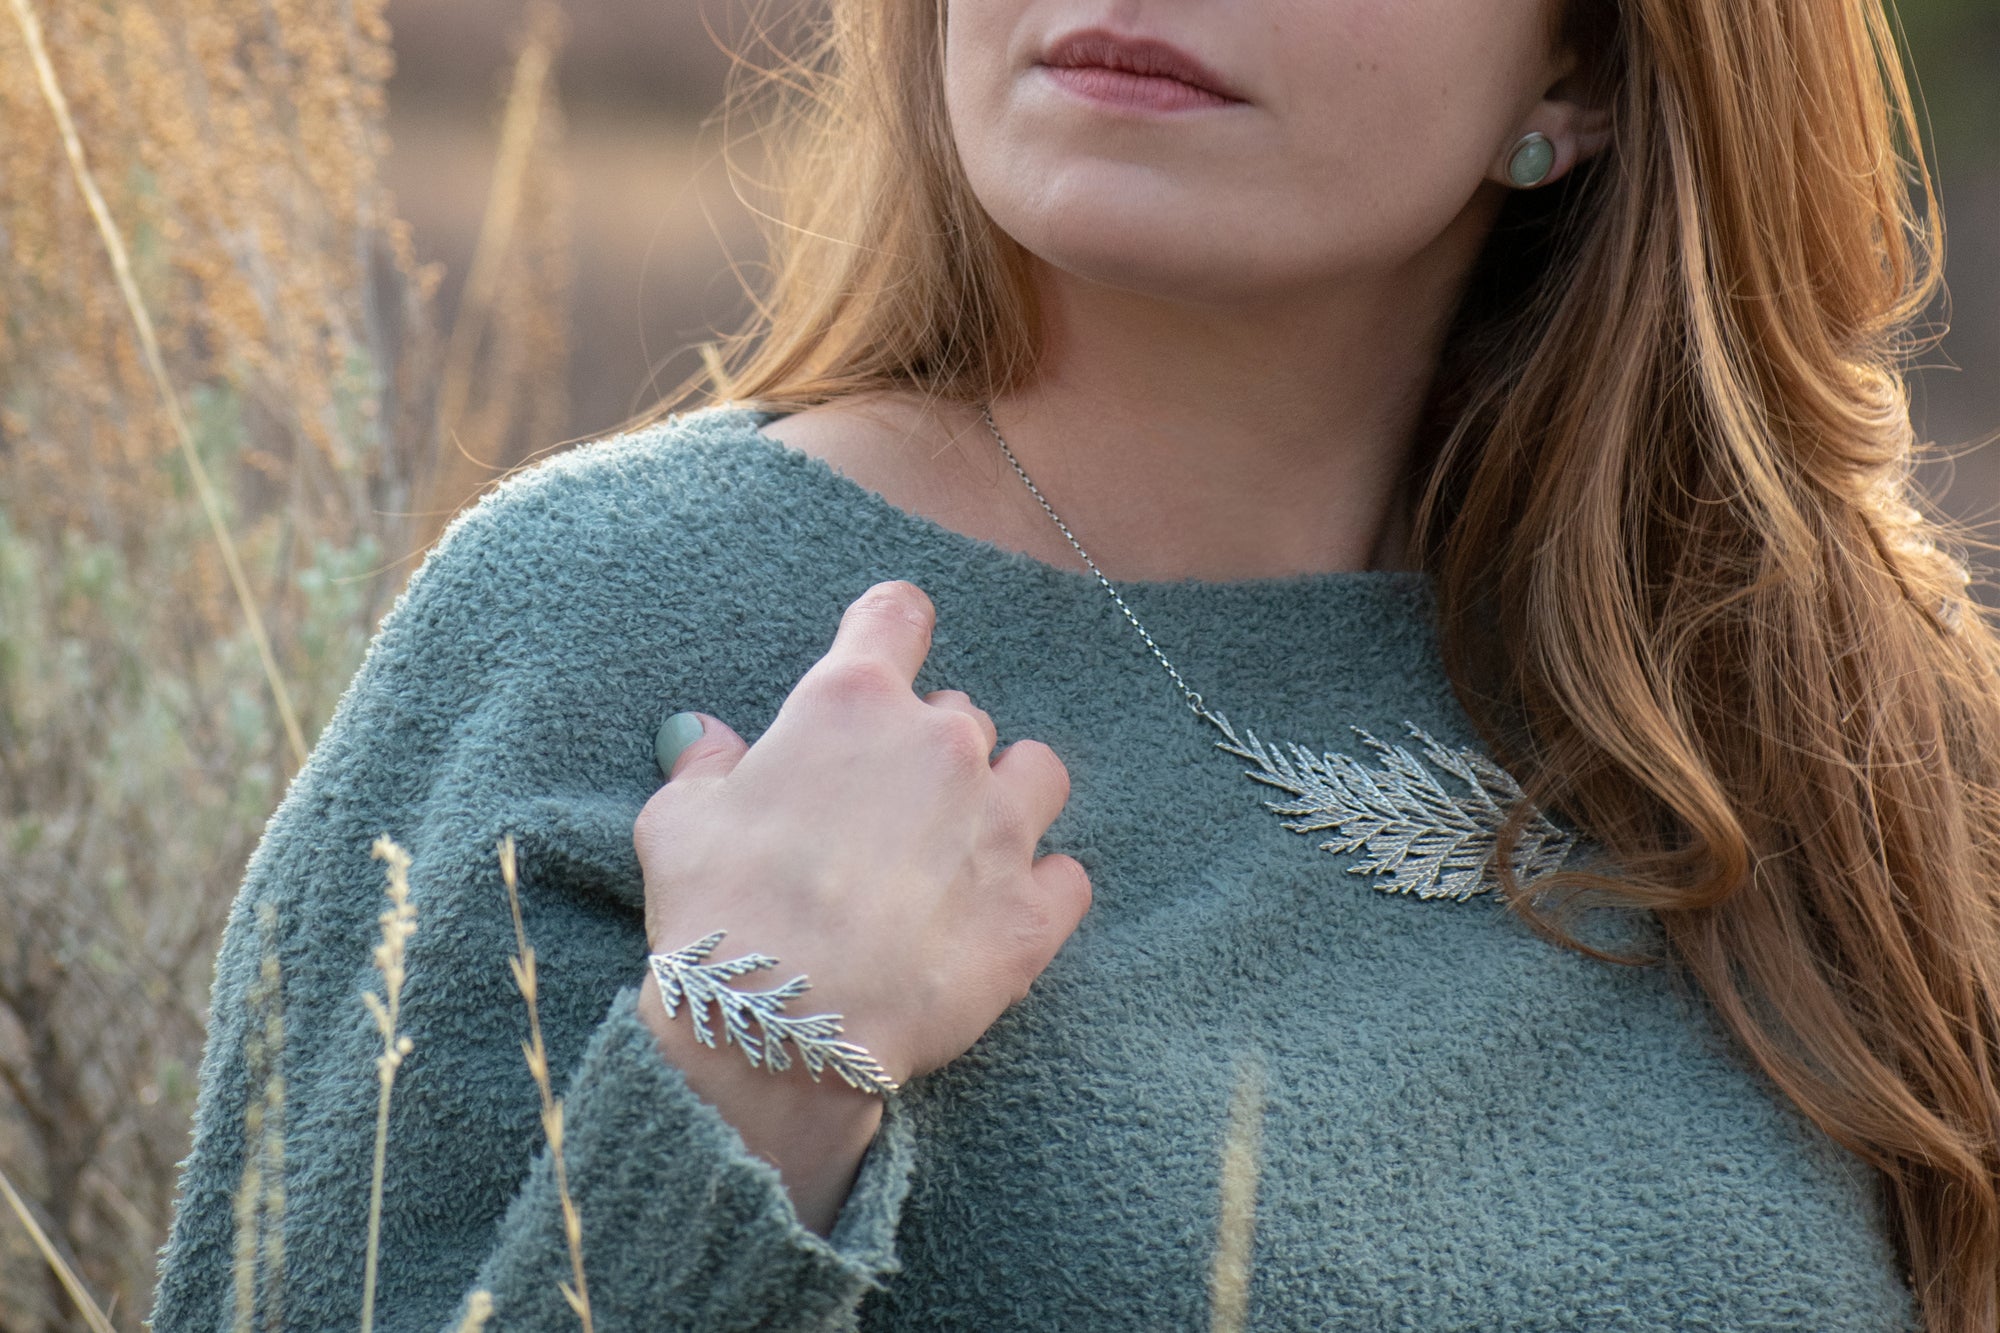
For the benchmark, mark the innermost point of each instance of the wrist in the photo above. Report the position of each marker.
(814, 1134)
(771, 1024)
(723, 1073)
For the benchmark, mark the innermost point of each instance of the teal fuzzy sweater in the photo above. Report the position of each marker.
(1462, 1126)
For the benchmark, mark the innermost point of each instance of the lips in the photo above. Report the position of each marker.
(1108, 66)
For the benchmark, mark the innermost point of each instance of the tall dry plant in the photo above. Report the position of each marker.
(238, 146)
(509, 320)
(399, 922)
(576, 1291)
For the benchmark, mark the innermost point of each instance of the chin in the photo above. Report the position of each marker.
(1200, 276)
(1172, 250)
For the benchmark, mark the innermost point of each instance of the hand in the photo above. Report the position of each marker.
(867, 841)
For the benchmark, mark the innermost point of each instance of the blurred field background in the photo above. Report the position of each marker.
(392, 247)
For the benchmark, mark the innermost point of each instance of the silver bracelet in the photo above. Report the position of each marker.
(682, 975)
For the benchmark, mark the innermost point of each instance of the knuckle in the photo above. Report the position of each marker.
(1070, 883)
(816, 897)
(982, 725)
(1041, 917)
(1013, 968)
(655, 810)
(658, 815)
(962, 742)
(1048, 767)
(1009, 824)
(1081, 886)
(854, 682)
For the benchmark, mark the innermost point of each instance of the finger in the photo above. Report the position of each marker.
(712, 752)
(1066, 892)
(958, 701)
(1035, 781)
(890, 624)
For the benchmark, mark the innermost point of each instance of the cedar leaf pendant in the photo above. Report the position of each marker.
(1413, 836)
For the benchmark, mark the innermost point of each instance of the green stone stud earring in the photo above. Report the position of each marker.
(1533, 159)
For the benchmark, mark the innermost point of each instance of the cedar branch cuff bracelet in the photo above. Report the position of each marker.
(684, 976)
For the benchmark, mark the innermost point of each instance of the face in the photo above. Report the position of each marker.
(1314, 143)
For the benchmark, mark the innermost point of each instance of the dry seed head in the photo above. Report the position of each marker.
(523, 968)
(478, 1311)
(276, 109)
(398, 924)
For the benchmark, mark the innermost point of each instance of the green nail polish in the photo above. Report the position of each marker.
(676, 734)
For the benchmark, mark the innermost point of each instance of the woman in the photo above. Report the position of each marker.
(1458, 392)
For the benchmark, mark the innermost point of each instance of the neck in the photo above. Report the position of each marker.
(1254, 440)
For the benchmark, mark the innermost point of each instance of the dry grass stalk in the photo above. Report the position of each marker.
(519, 125)
(273, 1251)
(478, 1311)
(399, 922)
(577, 1291)
(87, 1307)
(249, 1193)
(142, 322)
(227, 155)
(1242, 1148)
(236, 148)
(518, 272)
(259, 1264)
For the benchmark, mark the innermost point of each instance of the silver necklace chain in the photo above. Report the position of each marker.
(1407, 831)
(1193, 696)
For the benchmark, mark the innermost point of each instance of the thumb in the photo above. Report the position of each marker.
(697, 745)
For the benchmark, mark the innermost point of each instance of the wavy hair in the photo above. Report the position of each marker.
(1685, 588)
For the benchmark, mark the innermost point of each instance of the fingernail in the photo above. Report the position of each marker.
(676, 734)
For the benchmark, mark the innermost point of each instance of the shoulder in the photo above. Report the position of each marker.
(605, 546)
(565, 584)
(647, 477)
(653, 539)
(695, 482)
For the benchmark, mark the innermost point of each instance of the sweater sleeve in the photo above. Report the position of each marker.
(696, 1234)
(682, 1227)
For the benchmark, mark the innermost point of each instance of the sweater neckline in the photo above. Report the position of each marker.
(971, 550)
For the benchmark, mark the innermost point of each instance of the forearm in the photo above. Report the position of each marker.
(814, 1133)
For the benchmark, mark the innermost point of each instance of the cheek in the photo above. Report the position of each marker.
(983, 41)
(1385, 119)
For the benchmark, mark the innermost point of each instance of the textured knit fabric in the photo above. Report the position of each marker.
(1463, 1126)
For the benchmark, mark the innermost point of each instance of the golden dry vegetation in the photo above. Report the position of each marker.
(238, 148)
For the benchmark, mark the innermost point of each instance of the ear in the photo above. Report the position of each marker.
(1574, 116)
